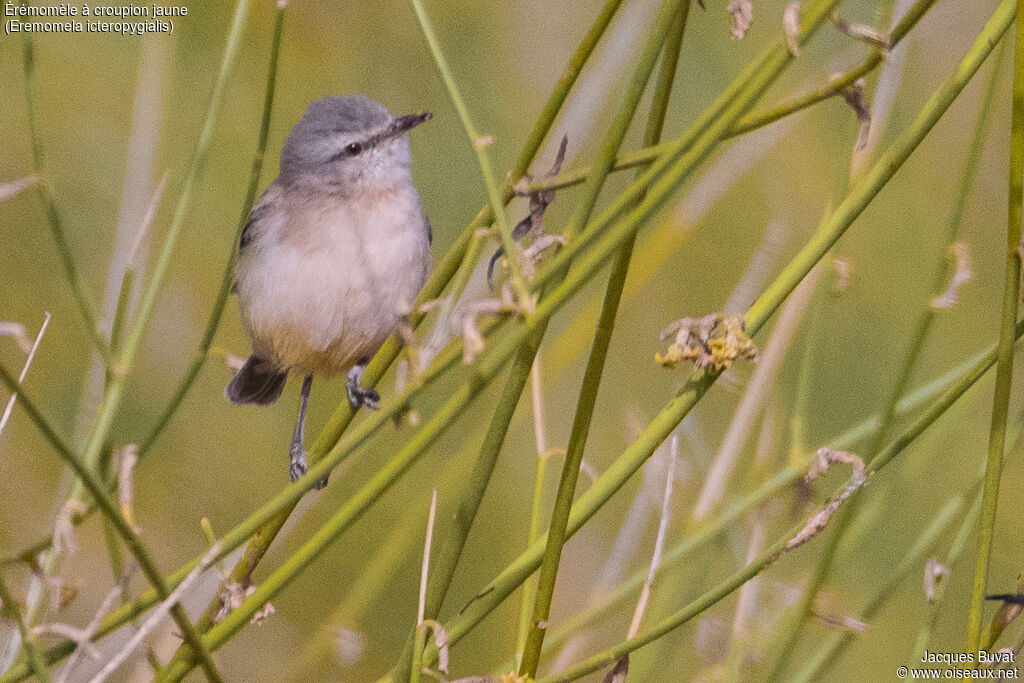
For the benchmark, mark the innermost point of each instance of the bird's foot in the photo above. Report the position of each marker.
(297, 461)
(357, 395)
(297, 465)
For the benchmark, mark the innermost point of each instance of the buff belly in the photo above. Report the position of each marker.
(319, 301)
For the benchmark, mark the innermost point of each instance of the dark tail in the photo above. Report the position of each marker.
(1008, 597)
(259, 382)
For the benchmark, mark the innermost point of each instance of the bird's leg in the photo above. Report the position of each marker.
(297, 452)
(357, 395)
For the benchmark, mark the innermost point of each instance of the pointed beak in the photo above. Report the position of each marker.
(403, 124)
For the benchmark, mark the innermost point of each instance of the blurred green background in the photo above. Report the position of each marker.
(220, 461)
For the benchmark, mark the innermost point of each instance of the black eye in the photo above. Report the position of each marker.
(353, 148)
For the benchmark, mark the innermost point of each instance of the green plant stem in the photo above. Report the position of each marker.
(503, 349)
(834, 643)
(666, 37)
(956, 549)
(910, 404)
(918, 338)
(1004, 366)
(443, 566)
(457, 263)
(417, 654)
(530, 587)
(119, 372)
(861, 194)
(95, 488)
(709, 528)
(752, 569)
(228, 278)
(494, 197)
(36, 661)
(46, 197)
(121, 309)
(676, 164)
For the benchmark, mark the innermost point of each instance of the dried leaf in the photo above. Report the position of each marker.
(842, 622)
(858, 101)
(262, 614)
(231, 596)
(619, 671)
(864, 33)
(533, 223)
(17, 332)
(962, 274)
(742, 12)
(440, 642)
(934, 571)
(844, 272)
(128, 458)
(791, 26)
(711, 341)
(16, 187)
(824, 458)
(472, 338)
(64, 528)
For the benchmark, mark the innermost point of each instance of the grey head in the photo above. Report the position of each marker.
(347, 145)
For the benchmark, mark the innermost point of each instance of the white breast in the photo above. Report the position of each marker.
(322, 288)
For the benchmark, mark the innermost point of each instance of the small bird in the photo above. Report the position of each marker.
(333, 254)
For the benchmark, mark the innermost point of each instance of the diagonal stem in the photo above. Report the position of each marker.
(494, 197)
(1004, 365)
(96, 489)
(673, 41)
(67, 259)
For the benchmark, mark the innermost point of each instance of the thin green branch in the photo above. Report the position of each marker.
(494, 197)
(533, 533)
(1004, 366)
(131, 539)
(834, 644)
(862, 193)
(228, 278)
(666, 37)
(918, 338)
(709, 528)
(677, 163)
(755, 567)
(60, 239)
(36, 661)
(115, 387)
(910, 404)
(457, 263)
